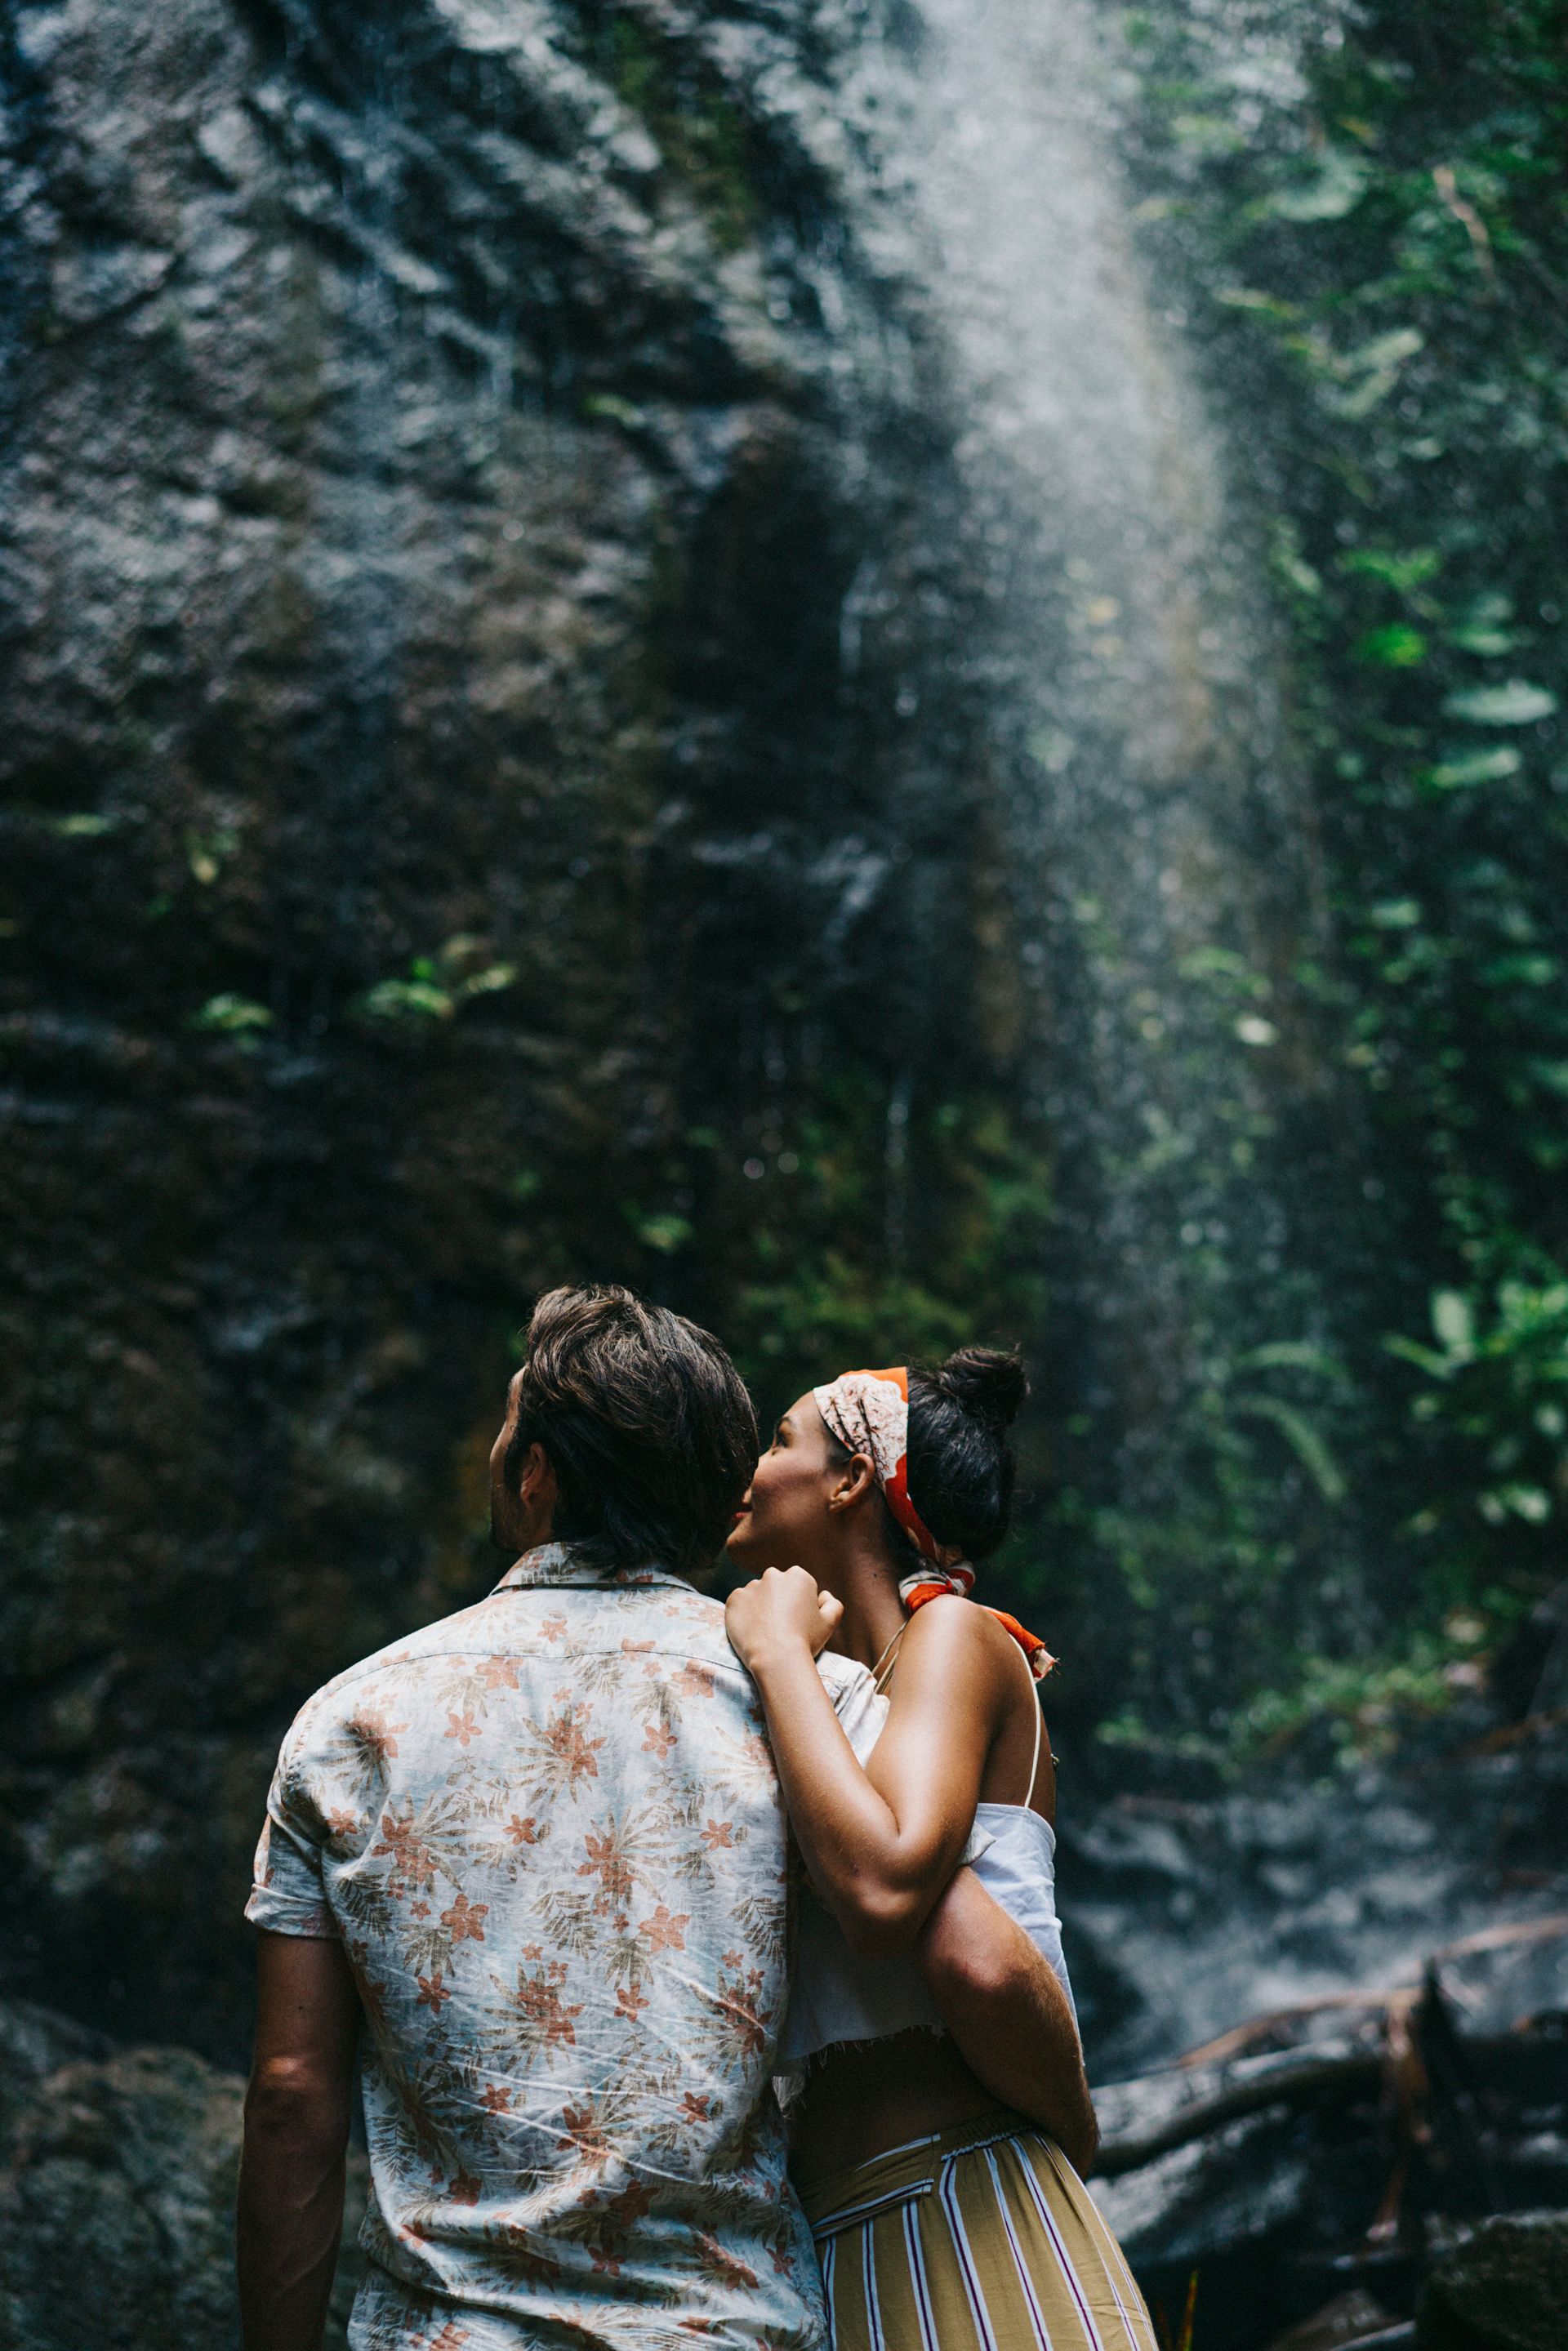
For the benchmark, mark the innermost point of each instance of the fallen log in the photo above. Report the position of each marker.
(1284, 2176)
(1141, 2121)
(1511, 1932)
(1302, 2081)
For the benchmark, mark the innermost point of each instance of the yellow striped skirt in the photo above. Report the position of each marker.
(982, 2237)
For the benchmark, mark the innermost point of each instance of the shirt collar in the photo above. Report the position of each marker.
(562, 1564)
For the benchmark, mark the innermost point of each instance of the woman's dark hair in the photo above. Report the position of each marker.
(961, 1464)
(645, 1422)
(961, 1467)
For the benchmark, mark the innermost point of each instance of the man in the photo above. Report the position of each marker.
(537, 1851)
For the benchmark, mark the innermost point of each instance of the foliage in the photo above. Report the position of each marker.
(435, 987)
(229, 1014)
(1494, 1399)
(1358, 1702)
(704, 141)
(1368, 209)
(843, 1250)
(835, 1294)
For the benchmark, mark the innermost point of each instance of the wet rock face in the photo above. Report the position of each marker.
(118, 2170)
(117, 2207)
(426, 511)
(1187, 1914)
(1506, 2290)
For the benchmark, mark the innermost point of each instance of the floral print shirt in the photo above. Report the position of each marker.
(548, 1832)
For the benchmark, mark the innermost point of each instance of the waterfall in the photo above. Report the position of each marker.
(1160, 832)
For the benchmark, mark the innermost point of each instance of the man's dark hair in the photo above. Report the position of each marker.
(645, 1422)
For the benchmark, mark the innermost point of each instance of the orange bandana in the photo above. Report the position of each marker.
(868, 1412)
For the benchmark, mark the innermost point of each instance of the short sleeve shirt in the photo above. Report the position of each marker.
(548, 1834)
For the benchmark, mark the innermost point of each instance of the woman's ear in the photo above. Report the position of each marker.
(856, 1480)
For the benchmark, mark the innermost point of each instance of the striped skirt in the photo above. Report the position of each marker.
(978, 2239)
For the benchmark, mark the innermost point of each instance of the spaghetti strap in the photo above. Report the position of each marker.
(882, 1672)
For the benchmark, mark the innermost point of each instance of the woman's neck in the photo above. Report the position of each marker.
(866, 1581)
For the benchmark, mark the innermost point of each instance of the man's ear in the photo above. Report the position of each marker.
(859, 1476)
(537, 1485)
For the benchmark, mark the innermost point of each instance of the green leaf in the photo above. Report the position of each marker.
(1403, 571)
(1425, 1360)
(614, 410)
(1527, 970)
(1398, 646)
(1208, 134)
(1476, 639)
(1225, 964)
(1338, 188)
(204, 854)
(663, 1232)
(1294, 1354)
(1517, 703)
(405, 999)
(231, 1015)
(1453, 1322)
(1250, 298)
(1527, 1502)
(1395, 913)
(1376, 364)
(1289, 562)
(1303, 1439)
(81, 828)
(1482, 627)
(494, 977)
(1473, 767)
(1389, 351)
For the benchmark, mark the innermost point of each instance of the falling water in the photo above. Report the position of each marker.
(1162, 845)
(1165, 893)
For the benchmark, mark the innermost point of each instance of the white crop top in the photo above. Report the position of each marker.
(837, 1995)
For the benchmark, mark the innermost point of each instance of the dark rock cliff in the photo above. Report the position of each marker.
(117, 2189)
(444, 753)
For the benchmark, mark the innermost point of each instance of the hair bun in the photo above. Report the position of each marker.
(985, 1382)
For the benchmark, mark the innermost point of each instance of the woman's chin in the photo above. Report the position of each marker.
(746, 1546)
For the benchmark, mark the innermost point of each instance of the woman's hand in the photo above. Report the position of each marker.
(781, 1611)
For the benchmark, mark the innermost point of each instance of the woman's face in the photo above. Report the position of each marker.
(784, 1520)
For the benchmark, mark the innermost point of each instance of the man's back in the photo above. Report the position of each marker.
(548, 1834)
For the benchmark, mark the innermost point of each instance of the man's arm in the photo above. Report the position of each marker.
(1004, 2006)
(296, 2139)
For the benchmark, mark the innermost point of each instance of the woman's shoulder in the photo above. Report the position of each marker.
(956, 1631)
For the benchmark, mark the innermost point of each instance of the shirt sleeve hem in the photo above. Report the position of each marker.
(280, 1914)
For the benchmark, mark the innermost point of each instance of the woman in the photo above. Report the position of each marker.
(943, 2220)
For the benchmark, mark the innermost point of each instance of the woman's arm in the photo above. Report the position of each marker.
(296, 2139)
(1000, 2000)
(881, 1843)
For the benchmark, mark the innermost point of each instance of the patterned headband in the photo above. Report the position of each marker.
(868, 1412)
